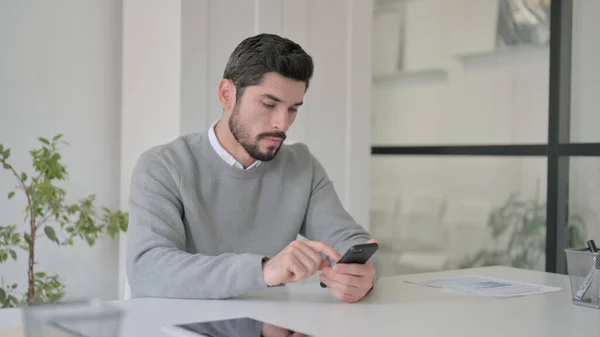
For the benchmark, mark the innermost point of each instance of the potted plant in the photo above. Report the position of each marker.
(518, 230)
(49, 216)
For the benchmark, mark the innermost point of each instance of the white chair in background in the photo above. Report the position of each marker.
(419, 222)
(466, 226)
(384, 206)
(420, 232)
(463, 231)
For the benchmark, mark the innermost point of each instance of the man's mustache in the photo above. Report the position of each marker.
(276, 134)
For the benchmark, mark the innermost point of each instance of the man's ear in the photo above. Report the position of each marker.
(227, 94)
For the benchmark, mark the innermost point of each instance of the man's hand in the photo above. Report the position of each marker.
(349, 282)
(269, 330)
(298, 261)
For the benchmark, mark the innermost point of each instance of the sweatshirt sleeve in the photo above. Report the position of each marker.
(157, 263)
(327, 220)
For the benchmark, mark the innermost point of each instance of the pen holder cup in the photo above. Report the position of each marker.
(583, 268)
(70, 319)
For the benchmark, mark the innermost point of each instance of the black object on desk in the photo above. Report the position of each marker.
(358, 254)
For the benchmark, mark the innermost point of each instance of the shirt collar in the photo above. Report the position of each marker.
(226, 156)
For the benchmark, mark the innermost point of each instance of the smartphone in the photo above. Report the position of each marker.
(358, 254)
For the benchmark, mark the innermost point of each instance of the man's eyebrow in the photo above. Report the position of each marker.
(277, 99)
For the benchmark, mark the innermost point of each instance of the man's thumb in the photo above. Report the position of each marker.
(324, 264)
(372, 241)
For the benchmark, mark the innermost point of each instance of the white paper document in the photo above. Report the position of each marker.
(487, 286)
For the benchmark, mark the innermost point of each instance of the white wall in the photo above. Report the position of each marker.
(175, 53)
(332, 120)
(584, 191)
(209, 31)
(151, 88)
(60, 73)
(64, 71)
(585, 73)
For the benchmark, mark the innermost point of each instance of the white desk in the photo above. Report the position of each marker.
(395, 308)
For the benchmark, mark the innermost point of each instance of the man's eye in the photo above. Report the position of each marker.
(269, 105)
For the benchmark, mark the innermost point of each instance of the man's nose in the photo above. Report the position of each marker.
(281, 120)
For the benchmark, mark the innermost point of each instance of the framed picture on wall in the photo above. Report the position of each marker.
(523, 22)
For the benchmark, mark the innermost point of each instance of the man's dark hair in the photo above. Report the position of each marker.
(263, 53)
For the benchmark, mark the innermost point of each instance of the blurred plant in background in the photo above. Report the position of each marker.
(519, 227)
(49, 216)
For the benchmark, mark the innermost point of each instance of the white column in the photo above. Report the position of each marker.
(268, 16)
(337, 126)
(358, 109)
(195, 89)
(295, 27)
(151, 93)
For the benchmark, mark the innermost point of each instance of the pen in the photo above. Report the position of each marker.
(588, 280)
(592, 246)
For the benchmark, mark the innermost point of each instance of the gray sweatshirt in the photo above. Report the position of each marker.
(200, 228)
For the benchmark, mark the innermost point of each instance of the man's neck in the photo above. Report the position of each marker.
(231, 145)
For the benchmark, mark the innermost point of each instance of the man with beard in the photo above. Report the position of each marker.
(217, 214)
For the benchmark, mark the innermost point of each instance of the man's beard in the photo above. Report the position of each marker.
(252, 148)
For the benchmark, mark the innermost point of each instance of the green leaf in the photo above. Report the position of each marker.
(13, 254)
(50, 233)
(44, 140)
(498, 224)
(6, 166)
(6, 153)
(40, 274)
(57, 137)
(23, 177)
(531, 226)
(13, 302)
(2, 295)
(11, 195)
(14, 286)
(27, 238)
(575, 237)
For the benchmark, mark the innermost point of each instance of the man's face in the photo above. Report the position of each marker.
(264, 113)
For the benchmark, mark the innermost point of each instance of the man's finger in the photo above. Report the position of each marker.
(308, 263)
(339, 291)
(340, 287)
(309, 252)
(345, 297)
(347, 279)
(322, 247)
(298, 334)
(373, 240)
(352, 269)
(324, 264)
(297, 268)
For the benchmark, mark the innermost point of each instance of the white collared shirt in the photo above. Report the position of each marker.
(228, 158)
